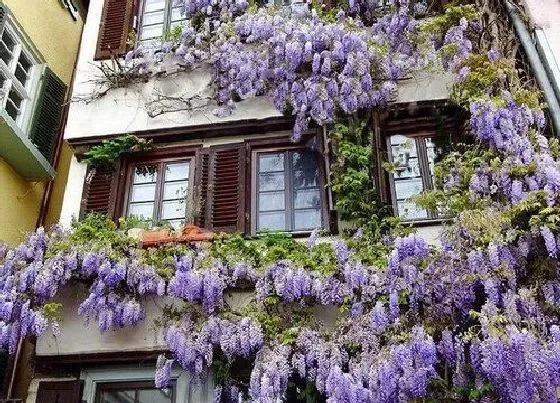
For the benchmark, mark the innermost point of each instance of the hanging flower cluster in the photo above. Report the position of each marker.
(475, 319)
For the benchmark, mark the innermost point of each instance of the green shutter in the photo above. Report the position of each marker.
(47, 114)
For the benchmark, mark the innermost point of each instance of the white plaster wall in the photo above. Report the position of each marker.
(431, 233)
(73, 193)
(123, 110)
(78, 338)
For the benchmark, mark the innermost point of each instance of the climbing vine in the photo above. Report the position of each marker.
(109, 151)
(474, 319)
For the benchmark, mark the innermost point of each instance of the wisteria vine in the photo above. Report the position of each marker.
(475, 319)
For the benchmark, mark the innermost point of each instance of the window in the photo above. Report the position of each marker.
(414, 159)
(160, 192)
(158, 17)
(288, 191)
(133, 392)
(17, 70)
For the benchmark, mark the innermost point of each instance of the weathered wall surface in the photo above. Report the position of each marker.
(124, 110)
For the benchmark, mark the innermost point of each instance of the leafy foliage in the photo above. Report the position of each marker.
(109, 151)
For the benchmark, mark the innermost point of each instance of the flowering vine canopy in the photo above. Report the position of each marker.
(475, 319)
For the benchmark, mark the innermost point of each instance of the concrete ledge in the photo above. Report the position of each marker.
(18, 151)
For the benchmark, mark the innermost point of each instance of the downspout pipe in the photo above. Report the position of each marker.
(536, 65)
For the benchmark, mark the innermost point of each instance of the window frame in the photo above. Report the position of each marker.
(159, 157)
(283, 146)
(132, 385)
(27, 92)
(419, 139)
(139, 23)
(139, 369)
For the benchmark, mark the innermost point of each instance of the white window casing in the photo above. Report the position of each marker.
(20, 73)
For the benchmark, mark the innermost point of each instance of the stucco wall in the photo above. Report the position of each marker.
(19, 204)
(52, 30)
(56, 36)
(78, 338)
(123, 110)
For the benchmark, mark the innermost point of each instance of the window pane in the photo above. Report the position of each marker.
(153, 18)
(404, 145)
(153, 5)
(175, 190)
(13, 105)
(307, 219)
(272, 221)
(174, 172)
(407, 188)
(307, 199)
(21, 75)
(173, 209)
(306, 179)
(436, 149)
(410, 211)
(118, 396)
(271, 162)
(304, 167)
(145, 174)
(405, 157)
(22, 69)
(6, 47)
(143, 192)
(154, 395)
(176, 14)
(271, 201)
(271, 181)
(141, 210)
(151, 31)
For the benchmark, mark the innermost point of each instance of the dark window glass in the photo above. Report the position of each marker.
(289, 194)
(7, 45)
(133, 392)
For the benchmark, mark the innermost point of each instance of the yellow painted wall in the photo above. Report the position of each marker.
(52, 30)
(56, 36)
(20, 201)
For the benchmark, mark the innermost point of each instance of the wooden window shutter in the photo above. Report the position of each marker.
(47, 115)
(60, 392)
(100, 191)
(202, 172)
(223, 188)
(116, 24)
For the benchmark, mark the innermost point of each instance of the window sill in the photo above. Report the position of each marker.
(18, 151)
(427, 222)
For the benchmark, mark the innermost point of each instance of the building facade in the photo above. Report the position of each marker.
(239, 173)
(39, 50)
(39, 46)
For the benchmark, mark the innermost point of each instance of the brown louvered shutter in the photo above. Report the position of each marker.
(60, 392)
(202, 173)
(223, 189)
(116, 24)
(48, 111)
(100, 190)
